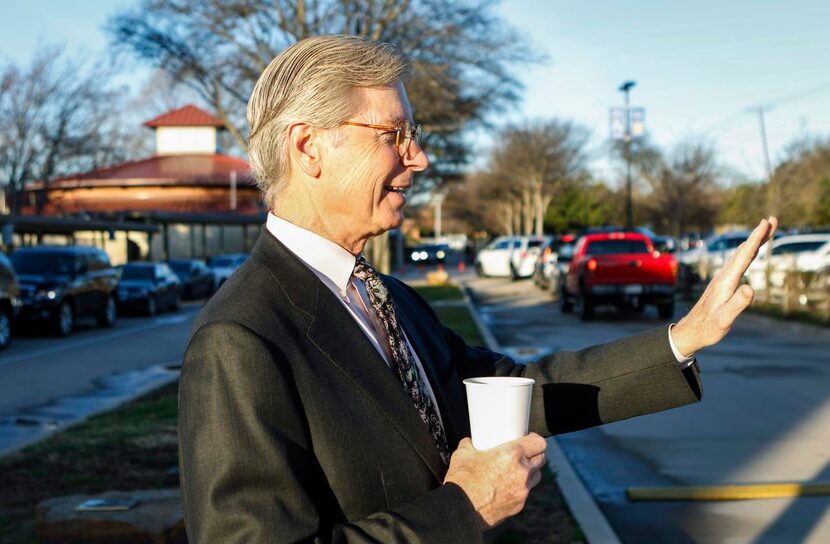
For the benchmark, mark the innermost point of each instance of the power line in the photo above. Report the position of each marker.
(726, 124)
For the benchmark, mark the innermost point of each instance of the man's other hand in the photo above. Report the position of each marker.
(724, 298)
(498, 481)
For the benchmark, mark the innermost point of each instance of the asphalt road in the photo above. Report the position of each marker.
(765, 418)
(47, 382)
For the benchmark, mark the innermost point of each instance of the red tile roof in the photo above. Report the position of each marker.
(186, 116)
(198, 170)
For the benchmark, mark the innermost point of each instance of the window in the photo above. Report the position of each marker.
(797, 247)
(608, 247)
(138, 272)
(504, 244)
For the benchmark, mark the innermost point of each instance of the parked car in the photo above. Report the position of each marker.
(225, 265)
(429, 253)
(621, 269)
(664, 244)
(59, 284)
(798, 253)
(718, 251)
(9, 300)
(198, 280)
(524, 254)
(494, 259)
(552, 263)
(148, 287)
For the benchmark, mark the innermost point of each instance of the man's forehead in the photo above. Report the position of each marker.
(385, 105)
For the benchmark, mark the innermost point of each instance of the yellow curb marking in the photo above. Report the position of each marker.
(727, 492)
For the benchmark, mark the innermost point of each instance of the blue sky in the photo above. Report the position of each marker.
(698, 65)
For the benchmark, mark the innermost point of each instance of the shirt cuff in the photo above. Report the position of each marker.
(682, 361)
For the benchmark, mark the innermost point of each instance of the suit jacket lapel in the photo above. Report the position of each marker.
(335, 334)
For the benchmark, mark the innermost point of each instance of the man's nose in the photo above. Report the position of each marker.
(416, 158)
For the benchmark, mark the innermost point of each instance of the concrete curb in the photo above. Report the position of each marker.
(590, 518)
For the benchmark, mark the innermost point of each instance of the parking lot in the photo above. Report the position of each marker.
(764, 418)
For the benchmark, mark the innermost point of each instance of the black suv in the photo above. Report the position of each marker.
(9, 301)
(59, 284)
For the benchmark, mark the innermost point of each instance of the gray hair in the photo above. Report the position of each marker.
(312, 81)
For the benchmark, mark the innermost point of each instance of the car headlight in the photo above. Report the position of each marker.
(415, 256)
(424, 255)
(440, 254)
(50, 294)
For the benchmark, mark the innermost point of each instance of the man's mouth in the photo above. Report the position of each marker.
(400, 190)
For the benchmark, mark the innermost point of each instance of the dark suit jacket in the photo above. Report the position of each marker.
(293, 428)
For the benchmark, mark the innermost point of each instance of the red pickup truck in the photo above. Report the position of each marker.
(620, 268)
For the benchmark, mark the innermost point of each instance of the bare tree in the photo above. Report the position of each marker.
(682, 186)
(533, 161)
(57, 117)
(800, 186)
(463, 54)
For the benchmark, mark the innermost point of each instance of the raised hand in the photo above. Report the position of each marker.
(724, 298)
(498, 481)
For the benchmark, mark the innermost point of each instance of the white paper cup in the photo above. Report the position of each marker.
(499, 409)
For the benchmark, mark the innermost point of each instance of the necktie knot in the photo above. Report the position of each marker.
(374, 286)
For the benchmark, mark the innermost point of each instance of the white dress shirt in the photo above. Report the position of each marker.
(334, 266)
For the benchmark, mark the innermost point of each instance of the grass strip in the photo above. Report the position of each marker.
(776, 311)
(131, 447)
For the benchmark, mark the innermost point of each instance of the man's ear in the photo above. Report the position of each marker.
(304, 148)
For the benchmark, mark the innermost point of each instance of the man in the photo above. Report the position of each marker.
(322, 402)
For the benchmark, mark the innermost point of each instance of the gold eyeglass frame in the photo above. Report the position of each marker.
(411, 131)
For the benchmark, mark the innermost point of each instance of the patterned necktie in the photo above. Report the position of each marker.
(402, 361)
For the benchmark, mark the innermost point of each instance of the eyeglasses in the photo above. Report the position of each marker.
(405, 133)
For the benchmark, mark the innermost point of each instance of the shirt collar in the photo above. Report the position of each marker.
(321, 254)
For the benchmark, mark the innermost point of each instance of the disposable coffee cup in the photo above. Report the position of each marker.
(499, 409)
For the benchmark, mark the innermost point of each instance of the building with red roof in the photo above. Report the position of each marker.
(187, 174)
(186, 201)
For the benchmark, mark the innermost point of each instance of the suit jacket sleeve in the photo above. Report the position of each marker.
(633, 376)
(248, 472)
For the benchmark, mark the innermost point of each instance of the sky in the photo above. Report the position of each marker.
(699, 66)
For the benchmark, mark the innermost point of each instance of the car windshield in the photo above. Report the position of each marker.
(726, 243)
(534, 243)
(797, 247)
(608, 247)
(52, 264)
(181, 267)
(138, 273)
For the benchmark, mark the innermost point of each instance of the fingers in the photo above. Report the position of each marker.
(537, 462)
(746, 252)
(734, 306)
(532, 445)
(534, 479)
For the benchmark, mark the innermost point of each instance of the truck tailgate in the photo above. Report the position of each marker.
(632, 268)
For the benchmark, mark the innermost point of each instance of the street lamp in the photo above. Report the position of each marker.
(625, 88)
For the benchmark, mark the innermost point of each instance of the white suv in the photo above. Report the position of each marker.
(524, 255)
(800, 252)
(494, 260)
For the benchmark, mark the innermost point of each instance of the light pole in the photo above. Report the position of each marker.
(625, 88)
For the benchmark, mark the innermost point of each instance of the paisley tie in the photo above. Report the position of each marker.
(403, 363)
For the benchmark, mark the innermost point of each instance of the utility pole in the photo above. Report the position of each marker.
(437, 201)
(775, 193)
(773, 197)
(625, 88)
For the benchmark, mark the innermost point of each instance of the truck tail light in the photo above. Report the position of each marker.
(673, 268)
(591, 265)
